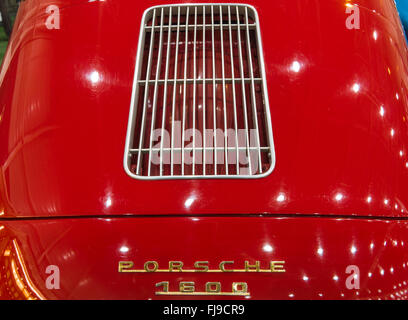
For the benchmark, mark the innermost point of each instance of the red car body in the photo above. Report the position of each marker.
(337, 197)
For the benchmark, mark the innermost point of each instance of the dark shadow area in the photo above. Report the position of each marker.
(8, 12)
(402, 6)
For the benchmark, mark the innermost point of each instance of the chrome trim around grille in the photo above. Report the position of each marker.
(180, 26)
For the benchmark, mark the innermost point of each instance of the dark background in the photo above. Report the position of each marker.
(11, 7)
(402, 6)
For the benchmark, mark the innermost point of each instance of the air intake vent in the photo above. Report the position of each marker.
(199, 105)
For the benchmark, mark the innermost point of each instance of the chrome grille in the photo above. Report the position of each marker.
(199, 105)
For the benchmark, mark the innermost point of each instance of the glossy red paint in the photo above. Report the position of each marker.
(62, 136)
(316, 250)
(340, 133)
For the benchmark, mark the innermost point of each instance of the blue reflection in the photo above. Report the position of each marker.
(402, 6)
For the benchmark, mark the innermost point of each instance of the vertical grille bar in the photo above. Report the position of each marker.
(194, 86)
(184, 93)
(241, 68)
(204, 96)
(149, 65)
(253, 99)
(232, 53)
(174, 93)
(233, 89)
(223, 92)
(158, 68)
(214, 97)
(165, 90)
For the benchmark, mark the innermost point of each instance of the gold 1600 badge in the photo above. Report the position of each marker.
(211, 288)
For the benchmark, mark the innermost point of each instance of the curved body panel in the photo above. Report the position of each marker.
(62, 135)
(337, 196)
(316, 253)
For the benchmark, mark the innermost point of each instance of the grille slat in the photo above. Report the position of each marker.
(241, 65)
(174, 93)
(194, 88)
(146, 93)
(204, 99)
(233, 89)
(223, 92)
(184, 91)
(251, 72)
(199, 27)
(155, 90)
(165, 87)
(199, 77)
(214, 75)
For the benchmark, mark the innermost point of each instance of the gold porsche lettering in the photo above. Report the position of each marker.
(175, 266)
(151, 266)
(201, 266)
(222, 266)
(240, 287)
(251, 268)
(186, 286)
(165, 285)
(210, 289)
(204, 266)
(214, 287)
(277, 266)
(124, 265)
